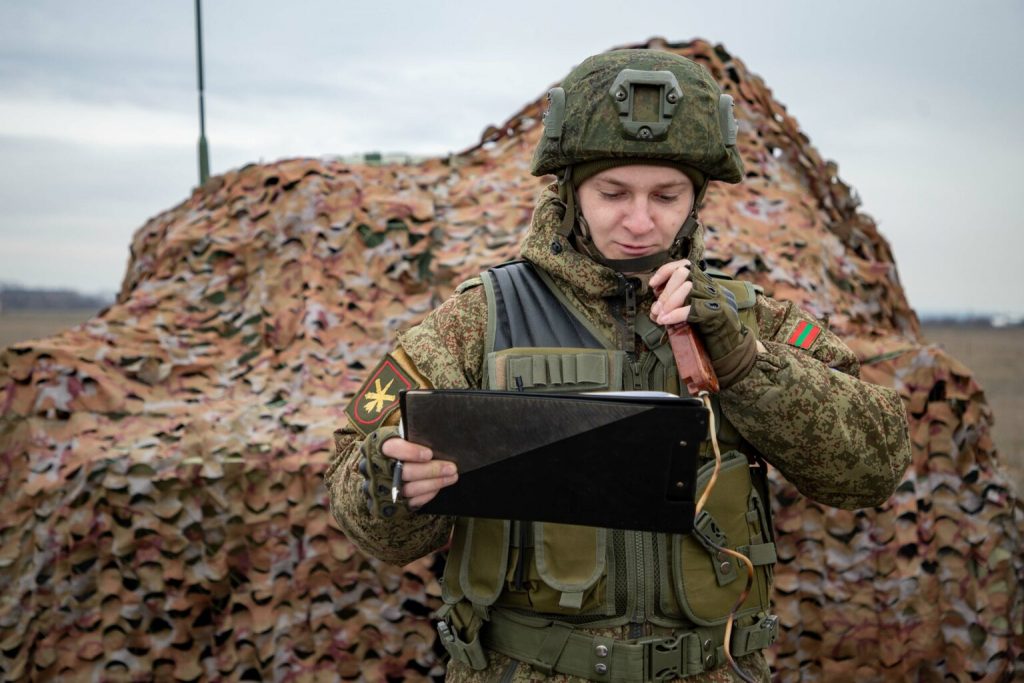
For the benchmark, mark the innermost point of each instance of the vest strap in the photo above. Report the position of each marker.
(760, 554)
(556, 647)
(526, 312)
(551, 648)
(655, 338)
(709, 534)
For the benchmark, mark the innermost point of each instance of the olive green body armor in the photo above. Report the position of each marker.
(537, 572)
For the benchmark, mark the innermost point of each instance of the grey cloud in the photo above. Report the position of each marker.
(916, 100)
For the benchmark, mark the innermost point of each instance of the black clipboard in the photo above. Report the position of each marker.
(610, 460)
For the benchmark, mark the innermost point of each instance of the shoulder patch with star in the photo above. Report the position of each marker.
(803, 334)
(378, 397)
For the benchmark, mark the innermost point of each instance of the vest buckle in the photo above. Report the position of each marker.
(707, 532)
(664, 658)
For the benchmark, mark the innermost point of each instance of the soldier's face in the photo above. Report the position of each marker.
(635, 211)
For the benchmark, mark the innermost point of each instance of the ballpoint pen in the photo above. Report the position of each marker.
(396, 478)
(396, 482)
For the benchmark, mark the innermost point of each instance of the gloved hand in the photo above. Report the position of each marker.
(730, 344)
(378, 470)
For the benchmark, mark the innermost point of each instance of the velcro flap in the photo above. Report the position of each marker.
(573, 600)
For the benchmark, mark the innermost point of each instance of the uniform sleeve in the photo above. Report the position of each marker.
(445, 350)
(841, 441)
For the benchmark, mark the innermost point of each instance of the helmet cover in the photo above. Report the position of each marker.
(640, 104)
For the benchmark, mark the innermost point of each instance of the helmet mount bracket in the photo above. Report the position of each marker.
(646, 101)
(727, 119)
(555, 114)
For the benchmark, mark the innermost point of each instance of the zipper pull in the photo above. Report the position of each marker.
(627, 288)
(630, 294)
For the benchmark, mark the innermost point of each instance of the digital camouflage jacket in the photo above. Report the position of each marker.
(839, 440)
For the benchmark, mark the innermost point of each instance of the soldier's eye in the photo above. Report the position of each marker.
(611, 195)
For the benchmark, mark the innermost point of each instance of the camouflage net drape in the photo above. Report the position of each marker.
(162, 513)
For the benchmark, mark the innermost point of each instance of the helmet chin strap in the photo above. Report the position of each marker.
(574, 224)
(567, 193)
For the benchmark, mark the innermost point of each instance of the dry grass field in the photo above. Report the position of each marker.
(995, 355)
(17, 326)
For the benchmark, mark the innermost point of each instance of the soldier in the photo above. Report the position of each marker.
(613, 255)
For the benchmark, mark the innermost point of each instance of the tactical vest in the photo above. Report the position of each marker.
(597, 577)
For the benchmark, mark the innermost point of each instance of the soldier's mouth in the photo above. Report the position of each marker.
(636, 250)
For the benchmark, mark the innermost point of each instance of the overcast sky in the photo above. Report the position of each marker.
(921, 103)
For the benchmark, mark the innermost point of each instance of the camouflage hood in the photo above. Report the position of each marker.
(545, 247)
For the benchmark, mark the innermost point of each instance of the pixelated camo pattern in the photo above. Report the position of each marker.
(162, 512)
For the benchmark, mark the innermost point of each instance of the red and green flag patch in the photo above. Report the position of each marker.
(378, 397)
(803, 335)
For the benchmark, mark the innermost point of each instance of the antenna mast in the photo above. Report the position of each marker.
(204, 153)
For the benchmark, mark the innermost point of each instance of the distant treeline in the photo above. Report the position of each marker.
(939, 320)
(14, 298)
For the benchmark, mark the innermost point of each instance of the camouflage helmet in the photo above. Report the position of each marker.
(637, 107)
(640, 104)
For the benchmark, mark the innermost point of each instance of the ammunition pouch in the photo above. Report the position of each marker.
(541, 566)
(561, 370)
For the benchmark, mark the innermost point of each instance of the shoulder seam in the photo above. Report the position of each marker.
(471, 283)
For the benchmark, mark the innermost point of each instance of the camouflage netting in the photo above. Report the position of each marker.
(162, 513)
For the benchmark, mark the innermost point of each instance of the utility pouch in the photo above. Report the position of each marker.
(570, 559)
(551, 568)
(557, 569)
(477, 561)
(705, 580)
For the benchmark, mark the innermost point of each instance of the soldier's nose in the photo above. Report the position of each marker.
(638, 220)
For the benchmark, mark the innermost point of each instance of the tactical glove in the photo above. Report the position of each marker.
(730, 344)
(378, 471)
